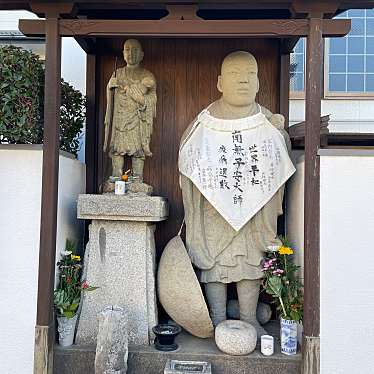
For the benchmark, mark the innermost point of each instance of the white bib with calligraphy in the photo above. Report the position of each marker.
(238, 165)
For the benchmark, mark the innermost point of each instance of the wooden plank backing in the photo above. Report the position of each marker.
(91, 129)
(186, 72)
(284, 87)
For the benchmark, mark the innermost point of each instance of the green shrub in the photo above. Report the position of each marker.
(22, 99)
(72, 117)
(21, 87)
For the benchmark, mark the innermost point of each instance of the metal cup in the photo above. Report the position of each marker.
(267, 345)
(120, 188)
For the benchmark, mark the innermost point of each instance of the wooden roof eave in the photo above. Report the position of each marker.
(203, 4)
(86, 30)
(186, 28)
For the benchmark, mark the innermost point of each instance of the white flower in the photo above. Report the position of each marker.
(273, 248)
(66, 253)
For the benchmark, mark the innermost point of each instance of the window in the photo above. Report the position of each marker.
(349, 61)
(349, 68)
(297, 69)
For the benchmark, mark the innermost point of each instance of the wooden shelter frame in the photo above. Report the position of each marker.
(181, 22)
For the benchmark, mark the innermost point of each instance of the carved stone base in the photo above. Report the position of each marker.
(108, 186)
(136, 187)
(140, 188)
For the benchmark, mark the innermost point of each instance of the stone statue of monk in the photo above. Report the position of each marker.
(223, 254)
(129, 117)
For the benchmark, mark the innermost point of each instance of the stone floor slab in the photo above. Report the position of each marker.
(147, 360)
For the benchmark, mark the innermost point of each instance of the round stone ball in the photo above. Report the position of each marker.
(236, 337)
(263, 312)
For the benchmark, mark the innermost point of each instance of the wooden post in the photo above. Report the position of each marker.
(91, 128)
(314, 64)
(91, 133)
(44, 330)
(284, 105)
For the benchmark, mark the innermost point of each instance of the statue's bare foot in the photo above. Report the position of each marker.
(260, 330)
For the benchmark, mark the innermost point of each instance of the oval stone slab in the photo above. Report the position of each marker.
(179, 290)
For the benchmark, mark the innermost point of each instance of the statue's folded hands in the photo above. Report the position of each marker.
(113, 83)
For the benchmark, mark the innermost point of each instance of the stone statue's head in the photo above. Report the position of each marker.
(132, 52)
(238, 81)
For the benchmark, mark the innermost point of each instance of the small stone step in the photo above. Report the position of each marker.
(147, 360)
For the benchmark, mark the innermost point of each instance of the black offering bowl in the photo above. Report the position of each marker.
(165, 335)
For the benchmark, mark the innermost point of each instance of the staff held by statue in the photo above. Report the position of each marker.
(108, 129)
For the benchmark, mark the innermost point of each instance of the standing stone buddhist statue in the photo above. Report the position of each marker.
(131, 108)
(233, 164)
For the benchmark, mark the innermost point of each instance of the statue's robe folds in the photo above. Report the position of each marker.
(222, 253)
(132, 122)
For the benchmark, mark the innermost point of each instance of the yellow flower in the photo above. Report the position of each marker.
(77, 258)
(285, 250)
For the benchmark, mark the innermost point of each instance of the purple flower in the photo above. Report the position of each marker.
(278, 272)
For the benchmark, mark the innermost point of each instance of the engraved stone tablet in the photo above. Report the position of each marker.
(187, 367)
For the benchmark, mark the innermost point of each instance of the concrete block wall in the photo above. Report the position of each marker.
(20, 200)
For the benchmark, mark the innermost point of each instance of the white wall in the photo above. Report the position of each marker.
(295, 209)
(345, 115)
(20, 189)
(347, 256)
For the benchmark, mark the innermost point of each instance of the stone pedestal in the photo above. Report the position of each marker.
(120, 259)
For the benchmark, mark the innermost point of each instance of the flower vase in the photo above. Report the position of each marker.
(66, 330)
(165, 335)
(288, 336)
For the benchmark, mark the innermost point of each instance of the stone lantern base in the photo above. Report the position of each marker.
(120, 260)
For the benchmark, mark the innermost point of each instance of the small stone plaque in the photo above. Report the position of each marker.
(187, 367)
